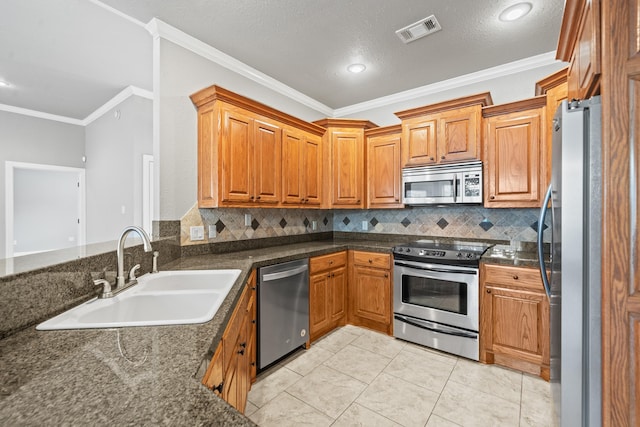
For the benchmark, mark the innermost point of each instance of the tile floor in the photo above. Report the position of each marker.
(357, 377)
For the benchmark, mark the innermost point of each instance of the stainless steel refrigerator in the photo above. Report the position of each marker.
(575, 205)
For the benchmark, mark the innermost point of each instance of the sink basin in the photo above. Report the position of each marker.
(165, 298)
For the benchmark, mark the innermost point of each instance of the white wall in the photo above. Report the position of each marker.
(114, 149)
(183, 73)
(33, 140)
(510, 88)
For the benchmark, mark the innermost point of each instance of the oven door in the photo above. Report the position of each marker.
(444, 294)
(422, 188)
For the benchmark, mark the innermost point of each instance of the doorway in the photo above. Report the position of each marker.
(45, 208)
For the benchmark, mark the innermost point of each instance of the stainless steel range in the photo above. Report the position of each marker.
(436, 294)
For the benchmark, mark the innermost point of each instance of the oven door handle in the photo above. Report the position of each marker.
(434, 327)
(436, 270)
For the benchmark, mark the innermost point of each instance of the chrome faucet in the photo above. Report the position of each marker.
(120, 280)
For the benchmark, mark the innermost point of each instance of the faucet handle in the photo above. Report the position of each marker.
(132, 272)
(106, 288)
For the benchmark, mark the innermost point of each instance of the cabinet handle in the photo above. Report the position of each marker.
(253, 288)
(441, 157)
(241, 352)
(370, 261)
(386, 275)
(251, 197)
(328, 275)
(330, 262)
(306, 200)
(243, 345)
(257, 197)
(253, 363)
(253, 321)
(397, 200)
(218, 388)
(515, 277)
(492, 197)
(333, 275)
(358, 201)
(488, 291)
(431, 158)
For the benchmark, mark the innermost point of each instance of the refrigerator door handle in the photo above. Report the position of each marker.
(543, 214)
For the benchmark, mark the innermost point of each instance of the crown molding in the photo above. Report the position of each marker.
(467, 79)
(117, 12)
(161, 29)
(119, 98)
(40, 115)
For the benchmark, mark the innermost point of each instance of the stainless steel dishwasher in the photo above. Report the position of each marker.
(283, 309)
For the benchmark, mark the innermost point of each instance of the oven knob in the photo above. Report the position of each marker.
(408, 249)
(459, 254)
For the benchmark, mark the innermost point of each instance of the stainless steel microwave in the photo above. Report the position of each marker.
(459, 183)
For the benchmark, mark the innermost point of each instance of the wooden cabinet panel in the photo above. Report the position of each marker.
(514, 145)
(312, 170)
(383, 171)
(325, 262)
(419, 146)
(347, 166)
(292, 161)
(514, 319)
(318, 304)
(338, 295)
(327, 293)
(236, 155)
(460, 134)
(266, 163)
(370, 291)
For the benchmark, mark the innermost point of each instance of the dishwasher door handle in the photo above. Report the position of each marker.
(282, 274)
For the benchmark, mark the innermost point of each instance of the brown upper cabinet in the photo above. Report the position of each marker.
(383, 167)
(344, 149)
(554, 87)
(241, 144)
(445, 132)
(579, 44)
(515, 161)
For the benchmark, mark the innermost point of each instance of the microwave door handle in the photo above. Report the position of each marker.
(455, 188)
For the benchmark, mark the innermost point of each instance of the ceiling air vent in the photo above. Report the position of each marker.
(424, 27)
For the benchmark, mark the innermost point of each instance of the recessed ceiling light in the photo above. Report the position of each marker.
(356, 68)
(514, 12)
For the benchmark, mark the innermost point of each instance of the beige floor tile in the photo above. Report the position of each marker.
(358, 415)
(379, 343)
(268, 387)
(358, 363)
(399, 400)
(440, 355)
(307, 360)
(337, 340)
(437, 421)
(536, 409)
(285, 410)
(250, 409)
(327, 390)
(354, 329)
(492, 379)
(472, 408)
(422, 368)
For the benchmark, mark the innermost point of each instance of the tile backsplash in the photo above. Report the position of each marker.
(456, 221)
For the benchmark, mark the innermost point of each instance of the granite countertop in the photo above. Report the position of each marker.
(133, 376)
(147, 375)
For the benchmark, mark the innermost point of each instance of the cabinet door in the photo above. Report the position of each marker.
(319, 317)
(338, 295)
(459, 135)
(292, 165)
(383, 172)
(253, 323)
(267, 150)
(587, 51)
(347, 161)
(236, 157)
(555, 96)
(514, 144)
(419, 142)
(372, 296)
(518, 324)
(312, 170)
(214, 377)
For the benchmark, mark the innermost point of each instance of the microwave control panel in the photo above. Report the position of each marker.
(472, 183)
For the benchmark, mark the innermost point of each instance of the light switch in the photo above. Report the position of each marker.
(196, 232)
(365, 225)
(314, 225)
(247, 220)
(212, 231)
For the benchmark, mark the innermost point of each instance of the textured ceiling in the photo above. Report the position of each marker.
(306, 44)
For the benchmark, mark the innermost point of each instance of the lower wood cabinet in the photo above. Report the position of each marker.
(327, 293)
(370, 291)
(514, 319)
(233, 366)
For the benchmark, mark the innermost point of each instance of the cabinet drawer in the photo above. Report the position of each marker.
(232, 331)
(518, 277)
(372, 259)
(325, 262)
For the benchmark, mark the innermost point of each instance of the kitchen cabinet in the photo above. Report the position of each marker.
(327, 293)
(370, 290)
(554, 87)
(383, 173)
(580, 44)
(344, 173)
(232, 368)
(301, 169)
(514, 319)
(240, 149)
(446, 132)
(515, 160)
